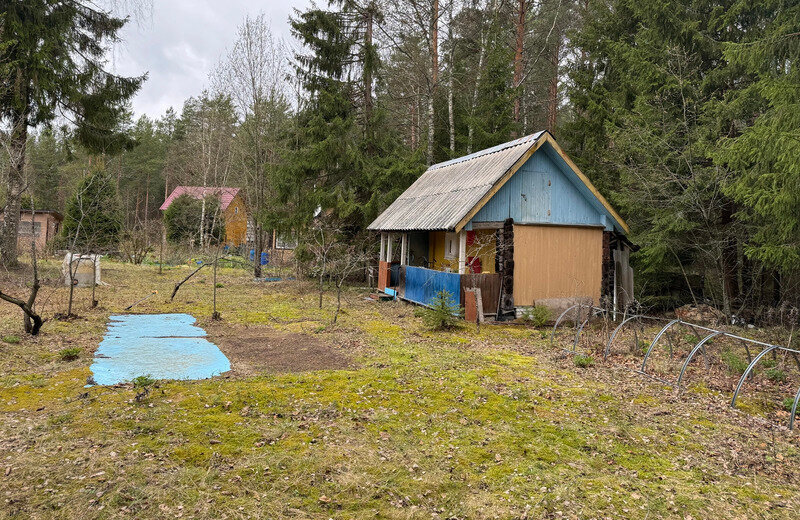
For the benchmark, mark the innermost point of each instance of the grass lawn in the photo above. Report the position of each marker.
(375, 417)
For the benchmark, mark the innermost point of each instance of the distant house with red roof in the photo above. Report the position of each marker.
(232, 204)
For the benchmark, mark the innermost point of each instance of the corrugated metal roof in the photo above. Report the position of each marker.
(447, 191)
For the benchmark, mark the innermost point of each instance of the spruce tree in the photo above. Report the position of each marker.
(93, 220)
(767, 151)
(51, 62)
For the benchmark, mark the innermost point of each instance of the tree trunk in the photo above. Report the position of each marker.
(450, 108)
(552, 91)
(9, 227)
(473, 106)
(730, 259)
(368, 73)
(258, 246)
(71, 279)
(522, 8)
(434, 77)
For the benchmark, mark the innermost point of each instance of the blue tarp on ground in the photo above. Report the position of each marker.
(161, 346)
(423, 284)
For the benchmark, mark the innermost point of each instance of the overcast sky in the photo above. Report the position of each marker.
(180, 41)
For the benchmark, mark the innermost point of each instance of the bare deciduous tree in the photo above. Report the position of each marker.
(254, 75)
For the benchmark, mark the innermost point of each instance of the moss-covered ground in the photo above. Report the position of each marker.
(462, 424)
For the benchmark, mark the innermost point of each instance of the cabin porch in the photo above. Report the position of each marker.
(416, 266)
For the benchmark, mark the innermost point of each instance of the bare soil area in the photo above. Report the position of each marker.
(252, 352)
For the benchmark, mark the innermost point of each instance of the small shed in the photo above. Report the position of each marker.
(519, 220)
(232, 205)
(46, 226)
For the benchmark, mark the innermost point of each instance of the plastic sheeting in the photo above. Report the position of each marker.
(160, 346)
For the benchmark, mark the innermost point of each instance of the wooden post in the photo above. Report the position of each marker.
(389, 248)
(382, 256)
(404, 249)
(462, 252)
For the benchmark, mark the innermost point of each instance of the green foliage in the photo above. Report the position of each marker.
(182, 218)
(143, 381)
(348, 160)
(11, 340)
(765, 144)
(769, 363)
(776, 375)
(735, 364)
(654, 92)
(52, 59)
(788, 403)
(583, 361)
(93, 221)
(443, 313)
(69, 354)
(537, 316)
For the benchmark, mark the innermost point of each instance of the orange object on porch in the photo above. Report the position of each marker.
(384, 275)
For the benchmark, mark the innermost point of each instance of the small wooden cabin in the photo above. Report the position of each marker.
(46, 227)
(519, 220)
(232, 205)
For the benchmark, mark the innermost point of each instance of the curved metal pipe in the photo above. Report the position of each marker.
(694, 351)
(558, 320)
(655, 340)
(614, 334)
(747, 372)
(794, 410)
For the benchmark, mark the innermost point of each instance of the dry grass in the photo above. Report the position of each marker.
(445, 425)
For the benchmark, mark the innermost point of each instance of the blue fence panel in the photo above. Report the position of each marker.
(422, 285)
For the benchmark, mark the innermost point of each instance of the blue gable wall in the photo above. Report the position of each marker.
(545, 191)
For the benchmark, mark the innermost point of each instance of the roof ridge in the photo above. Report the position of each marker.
(487, 151)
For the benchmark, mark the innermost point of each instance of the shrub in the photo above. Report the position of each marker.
(11, 340)
(775, 375)
(69, 354)
(788, 403)
(583, 361)
(182, 217)
(143, 381)
(142, 384)
(442, 314)
(769, 363)
(735, 364)
(537, 316)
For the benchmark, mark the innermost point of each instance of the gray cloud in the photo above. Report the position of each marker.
(180, 43)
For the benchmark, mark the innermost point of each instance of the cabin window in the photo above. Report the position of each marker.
(285, 242)
(25, 228)
(451, 246)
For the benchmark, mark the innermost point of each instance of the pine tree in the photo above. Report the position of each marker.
(51, 62)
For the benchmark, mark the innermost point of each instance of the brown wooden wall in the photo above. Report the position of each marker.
(236, 222)
(557, 262)
(489, 284)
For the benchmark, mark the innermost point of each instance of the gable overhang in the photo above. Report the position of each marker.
(584, 181)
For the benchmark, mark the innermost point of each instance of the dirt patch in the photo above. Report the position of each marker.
(252, 352)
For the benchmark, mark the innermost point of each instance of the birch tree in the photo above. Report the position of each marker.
(254, 75)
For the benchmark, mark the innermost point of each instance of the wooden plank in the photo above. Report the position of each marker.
(553, 262)
(489, 285)
(499, 184)
(585, 180)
